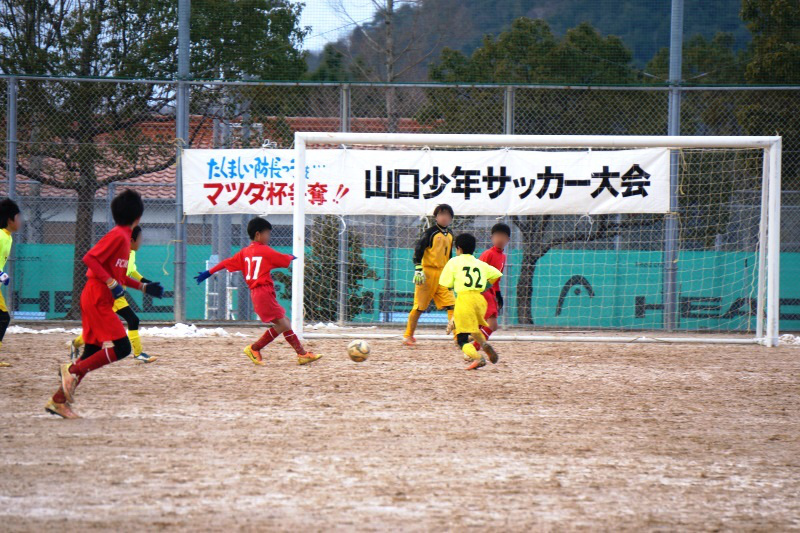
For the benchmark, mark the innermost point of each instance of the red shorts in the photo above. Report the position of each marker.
(100, 322)
(491, 305)
(266, 303)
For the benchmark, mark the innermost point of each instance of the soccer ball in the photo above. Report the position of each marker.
(358, 350)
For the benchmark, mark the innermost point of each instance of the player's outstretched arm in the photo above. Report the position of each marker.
(232, 264)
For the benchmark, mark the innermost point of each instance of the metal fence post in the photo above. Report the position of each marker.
(344, 119)
(182, 135)
(670, 288)
(509, 109)
(11, 172)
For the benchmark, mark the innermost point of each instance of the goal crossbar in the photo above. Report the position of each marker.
(767, 314)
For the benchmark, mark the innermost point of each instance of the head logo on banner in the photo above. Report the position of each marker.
(398, 182)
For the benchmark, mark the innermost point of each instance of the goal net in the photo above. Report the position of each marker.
(612, 238)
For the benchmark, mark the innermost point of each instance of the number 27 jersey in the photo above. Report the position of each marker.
(255, 263)
(465, 273)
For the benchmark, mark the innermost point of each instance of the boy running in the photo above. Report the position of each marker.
(495, 256)
(10, 222)
(255, 263)
(469, 277)
(107, 264)
(124, 310)
(430, 255)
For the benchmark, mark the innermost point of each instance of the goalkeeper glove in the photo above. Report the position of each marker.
(117, 290)
(202, 276)
(419, 275)
(154, 289)
(499, 301)
(4, 278)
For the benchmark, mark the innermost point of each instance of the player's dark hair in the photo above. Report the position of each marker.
(136, 232)
(444, 207)
(466, 241)
(256, 225)
(8, 210)
(127, 207)
(501, 228)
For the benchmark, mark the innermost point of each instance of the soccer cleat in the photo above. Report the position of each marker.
(144, 358)
(254, 355)
(307, 358)
(409, 341)
(74, 351)
(60, 409)
(69, 382)
(451, 326)
(4, 365)
(490, 351)
(476, 363)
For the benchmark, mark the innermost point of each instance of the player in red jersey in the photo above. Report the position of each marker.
(255, 262)
(495, 256)
(107, 274)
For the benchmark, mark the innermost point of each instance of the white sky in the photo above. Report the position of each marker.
(328, 23)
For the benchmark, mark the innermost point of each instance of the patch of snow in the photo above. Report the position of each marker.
(178, 331)
(181, 331)
(20, 329)
(789, 339)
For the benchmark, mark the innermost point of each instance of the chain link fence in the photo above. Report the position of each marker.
(79, 141)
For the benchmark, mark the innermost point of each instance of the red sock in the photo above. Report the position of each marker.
(270, 335)
(292, 339)
(486, 330)
(93, 362)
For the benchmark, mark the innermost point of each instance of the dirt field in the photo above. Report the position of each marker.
(554, 437)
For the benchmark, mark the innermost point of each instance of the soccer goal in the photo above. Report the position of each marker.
(613, 238)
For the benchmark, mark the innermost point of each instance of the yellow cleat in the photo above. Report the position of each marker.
(4, 365)
(254, 356)
(60, 409)
(307, 358)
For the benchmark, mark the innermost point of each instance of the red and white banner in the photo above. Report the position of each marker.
(413, 182)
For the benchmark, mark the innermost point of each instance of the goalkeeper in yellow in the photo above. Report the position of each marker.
(124, 310)
(430, 255)
(469, 277)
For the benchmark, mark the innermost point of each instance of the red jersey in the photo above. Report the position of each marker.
(497, 258)
(255, 262)
(109, 257)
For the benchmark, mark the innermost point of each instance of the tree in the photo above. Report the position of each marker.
(775, 59)
(83, 136)
(322, 269)
(529, 53)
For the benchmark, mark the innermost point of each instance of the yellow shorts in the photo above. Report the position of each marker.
(469, 312)
(3, 304)
(431, 290)
(120, 303)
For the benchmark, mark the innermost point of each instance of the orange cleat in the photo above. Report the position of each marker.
(307, 358)
(69, 382)
(60, 409)
(254, 356)
(476, 364)
(409, 341)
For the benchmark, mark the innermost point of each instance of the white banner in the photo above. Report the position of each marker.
(413, 182)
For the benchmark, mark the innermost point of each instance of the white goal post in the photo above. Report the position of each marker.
(767, 224)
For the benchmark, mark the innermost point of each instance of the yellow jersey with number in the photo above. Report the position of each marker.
(465, 273)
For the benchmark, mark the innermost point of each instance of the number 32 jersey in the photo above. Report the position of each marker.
(465, 273)
(255, 262)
